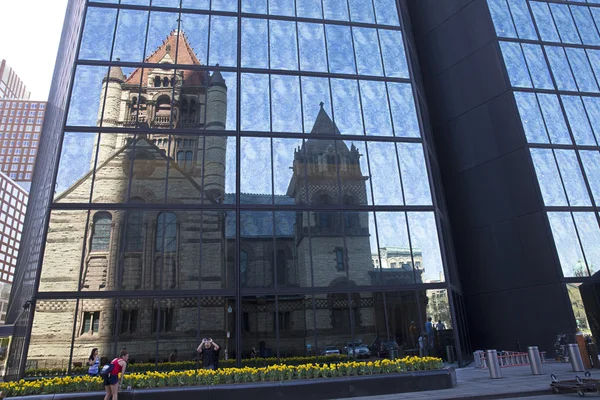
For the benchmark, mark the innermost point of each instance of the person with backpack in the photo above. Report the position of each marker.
(110, 374)
(93, 363)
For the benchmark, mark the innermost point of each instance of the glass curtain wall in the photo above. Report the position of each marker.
(551, 54)
(250, 171)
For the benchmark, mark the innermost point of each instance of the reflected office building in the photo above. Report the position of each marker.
(265, 173)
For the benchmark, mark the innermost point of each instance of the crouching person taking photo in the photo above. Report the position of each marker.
(110, 374)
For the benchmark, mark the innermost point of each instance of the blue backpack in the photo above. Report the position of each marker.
(106, 370)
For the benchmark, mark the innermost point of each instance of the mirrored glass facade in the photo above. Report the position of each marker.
(551, 48)
(252, 171)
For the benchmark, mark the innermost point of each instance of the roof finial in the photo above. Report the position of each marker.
(321, 104)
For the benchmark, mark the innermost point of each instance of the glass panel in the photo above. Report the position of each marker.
(346, 106)
(77, 158)
(255, 51)
(591, 165)
(423, 235)
(589, 233)
(567, 245)
(335, 9)
(560, 68)
(398, 265)
(309, 9)
(195, 27)
(223, 39)
(286, 106)
(585, 24)
(578, 120)
(361, 11)
(196, 4)
(282, 7)
(554, 119)
(404, 113)
(223, 5)
(333, 329)
(315, 91)
(404, 320)
(96, 42)
(564, 22)
(502, 18)
(386, 12)
(368, 58)
(394, 57)
(594, 58)
(376, 112)
(255, 170)
(359, 229)
(537, 66)
(288, 171)
(292, 269)
(582, 70)
(283, 48)
(87, 96)
(254, 6)
(255, 103)
(256, 240)
(544, 21)
(385, 177)
(56, 316)
(330, 256)
(414, 174)
(294, 315)
(572, 178)
(67, 235)
(533, 123)
(312, 47)
(441, 332)
(592, 106)
(522, 18)
(340, 49)
(515, 65)
(131, 36)
(259, 333)
(578, 307)
(548, 177)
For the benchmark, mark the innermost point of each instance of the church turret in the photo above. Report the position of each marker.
(111, 91)
(215, 146)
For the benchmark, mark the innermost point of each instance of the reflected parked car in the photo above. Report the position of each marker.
(358, 348)
(382, 349)
(329, 350)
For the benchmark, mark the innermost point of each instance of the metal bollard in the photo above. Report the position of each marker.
(535, 360)
(575, 357)
(450, 354)
(493, 364)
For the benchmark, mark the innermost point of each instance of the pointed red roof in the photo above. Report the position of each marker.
(185, 55)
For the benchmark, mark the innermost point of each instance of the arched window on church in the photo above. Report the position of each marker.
(166, 232)
(163, 106)
(189, 156)
(135, 232)
(172, 81)
(181, 158)
(165, 81)
(101, 231)
(157, 81)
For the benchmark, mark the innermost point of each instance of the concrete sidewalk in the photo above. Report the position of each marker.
(475, 383)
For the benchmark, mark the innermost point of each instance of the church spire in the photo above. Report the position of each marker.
(324, 124)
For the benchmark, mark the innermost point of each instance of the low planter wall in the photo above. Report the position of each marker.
(353, 386)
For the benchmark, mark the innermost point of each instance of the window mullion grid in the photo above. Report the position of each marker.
(512, 18)
(575, 23)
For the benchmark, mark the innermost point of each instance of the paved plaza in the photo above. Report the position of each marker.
(517, 383)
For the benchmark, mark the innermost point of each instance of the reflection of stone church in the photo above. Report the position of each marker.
(147, 250)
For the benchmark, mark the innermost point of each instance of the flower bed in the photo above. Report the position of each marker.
(187, 365)
(272, 373)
